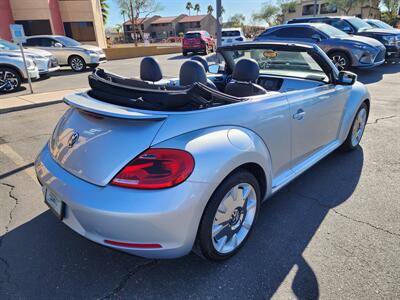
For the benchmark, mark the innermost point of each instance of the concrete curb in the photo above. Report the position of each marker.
(28, 106)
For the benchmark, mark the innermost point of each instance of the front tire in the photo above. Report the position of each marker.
(340, 59)
(77, 63)
(10, 80)
(229, 216)
(357, 129)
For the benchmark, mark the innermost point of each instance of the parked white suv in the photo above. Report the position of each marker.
(231, 36)
(12, 71)
(68, 51)
(44, 60)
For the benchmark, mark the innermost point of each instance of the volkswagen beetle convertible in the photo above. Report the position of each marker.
(157, 167)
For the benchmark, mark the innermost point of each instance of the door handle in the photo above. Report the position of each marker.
(299, 115)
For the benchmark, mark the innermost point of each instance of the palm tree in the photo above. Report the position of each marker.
(189, 6)
(104, 10)
(210, 9)
(197, 8)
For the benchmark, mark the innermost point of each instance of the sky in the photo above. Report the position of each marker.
(176, 7)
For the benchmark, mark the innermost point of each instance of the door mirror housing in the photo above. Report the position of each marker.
(215, 68)
(58, 45)
(316, 37)
(347, 29)
(346, 78)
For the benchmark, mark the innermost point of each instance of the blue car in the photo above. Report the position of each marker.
(343, 49)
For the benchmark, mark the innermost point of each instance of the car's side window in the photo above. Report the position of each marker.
(293, 32)
(32, 42)
(46, 42)
(340, 24)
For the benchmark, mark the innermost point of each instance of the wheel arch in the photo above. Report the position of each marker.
(74, 54)
(20, 73)
(345, 51)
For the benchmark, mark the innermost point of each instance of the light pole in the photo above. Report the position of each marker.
(219, 22)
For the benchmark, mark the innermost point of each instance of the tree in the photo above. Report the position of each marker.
(285, 6)
(197, 8)
(268, 13)
(236, 20)
(392, 8)
(346, 6)
(189, 6)
(104, 10)
(139, 9)
(210, 9)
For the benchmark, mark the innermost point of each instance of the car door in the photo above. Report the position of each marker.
(316, 115)
(49, 44)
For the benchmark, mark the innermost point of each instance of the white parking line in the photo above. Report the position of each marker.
(18, 160)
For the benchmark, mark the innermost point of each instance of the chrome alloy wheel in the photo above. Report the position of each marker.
(234, 218)
(339, 61)
(358, 127)
(8, 81)
(77, 64)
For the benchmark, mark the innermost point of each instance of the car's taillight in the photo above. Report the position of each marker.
(240, 39)
(156, 168)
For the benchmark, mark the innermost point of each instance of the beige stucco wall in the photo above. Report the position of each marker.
(356, 11)
(30, 9)
(85, 11)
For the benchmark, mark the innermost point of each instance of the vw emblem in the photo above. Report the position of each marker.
(73, 139)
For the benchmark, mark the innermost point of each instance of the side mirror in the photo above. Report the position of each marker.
(346, 78)
(58, 45)
(347, 29)
(316, 37)
(214, 68)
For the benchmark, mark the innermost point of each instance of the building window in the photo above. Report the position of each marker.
(309, 9)
(328, 8)
(80, 31)
(35, 27)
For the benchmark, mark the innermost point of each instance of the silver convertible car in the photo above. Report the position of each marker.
(157, 167)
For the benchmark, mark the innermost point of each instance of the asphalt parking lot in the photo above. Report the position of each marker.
(333, 233)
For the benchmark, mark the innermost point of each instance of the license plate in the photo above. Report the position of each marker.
(55, 204)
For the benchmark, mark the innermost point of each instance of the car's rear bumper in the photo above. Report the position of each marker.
(194, 49)
(168, 217)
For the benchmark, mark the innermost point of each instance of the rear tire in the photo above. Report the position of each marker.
(357, 129)
(340, 59)
(77, 63)
(10, 80)
(184, 53)
(229, 217)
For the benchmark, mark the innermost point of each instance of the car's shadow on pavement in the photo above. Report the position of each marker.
(43, 259)
(376, 74)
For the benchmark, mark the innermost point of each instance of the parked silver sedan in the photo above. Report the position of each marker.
(68, 51)
(345, 50)
(44, 60)
(158, 167)
(12, 71)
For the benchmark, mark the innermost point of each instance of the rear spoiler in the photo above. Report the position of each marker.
(84, 102)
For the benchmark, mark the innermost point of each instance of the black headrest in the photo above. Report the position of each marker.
(201, 60)
(246, 69)
(150, 69)
(192, 71)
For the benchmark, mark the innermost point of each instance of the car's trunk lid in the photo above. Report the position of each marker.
(95, 140)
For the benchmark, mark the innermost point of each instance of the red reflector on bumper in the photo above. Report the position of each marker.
(133, 245)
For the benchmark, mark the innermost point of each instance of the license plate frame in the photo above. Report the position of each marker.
(56, 205)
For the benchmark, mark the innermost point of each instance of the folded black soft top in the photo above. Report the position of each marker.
(140, 94)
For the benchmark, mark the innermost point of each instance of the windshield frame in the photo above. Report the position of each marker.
(325, 65)
(379, 24)
(321, 26)
(355, 22)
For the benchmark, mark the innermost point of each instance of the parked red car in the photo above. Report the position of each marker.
(197, 41)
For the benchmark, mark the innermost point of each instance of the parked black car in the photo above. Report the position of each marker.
(353, 25)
